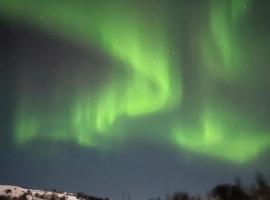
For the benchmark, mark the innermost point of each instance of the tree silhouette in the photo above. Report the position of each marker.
(180, 196)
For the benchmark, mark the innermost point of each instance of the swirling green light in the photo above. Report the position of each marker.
(224, 134)
(224, 131)
(143, 80)
(134, 38)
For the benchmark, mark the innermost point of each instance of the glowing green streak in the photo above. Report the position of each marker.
(148, 88)
(222, 48)
(224, 136)
(26, 131)
(223, 133)
(138, 42)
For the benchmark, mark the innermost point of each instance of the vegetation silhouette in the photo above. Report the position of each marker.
(235, 191)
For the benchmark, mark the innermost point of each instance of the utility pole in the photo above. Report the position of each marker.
(125, 196)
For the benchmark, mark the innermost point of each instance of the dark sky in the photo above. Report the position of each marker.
(146, 97)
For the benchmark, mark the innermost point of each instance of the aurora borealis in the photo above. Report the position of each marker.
(188, 77)
(145, 77)
(140, 90)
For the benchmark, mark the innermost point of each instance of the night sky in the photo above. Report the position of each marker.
(144, 96)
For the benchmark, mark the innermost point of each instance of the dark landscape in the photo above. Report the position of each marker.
(134, 99)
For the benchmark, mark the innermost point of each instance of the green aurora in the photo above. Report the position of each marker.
(146, 80)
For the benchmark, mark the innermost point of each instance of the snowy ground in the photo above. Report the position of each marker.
(14, 192)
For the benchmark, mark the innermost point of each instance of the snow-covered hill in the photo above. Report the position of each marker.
(8, 192)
